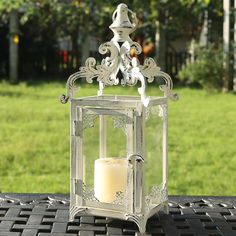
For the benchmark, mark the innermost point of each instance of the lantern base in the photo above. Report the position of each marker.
(139, 219)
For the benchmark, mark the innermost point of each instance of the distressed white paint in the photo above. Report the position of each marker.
(128, 113)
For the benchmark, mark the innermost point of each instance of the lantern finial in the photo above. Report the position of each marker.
(121, 25)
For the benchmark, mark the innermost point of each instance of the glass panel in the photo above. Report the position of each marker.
(105, 178)
(116, 138)
(90, 147)
(153, 150)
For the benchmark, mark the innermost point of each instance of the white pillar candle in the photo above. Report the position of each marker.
(110, 177)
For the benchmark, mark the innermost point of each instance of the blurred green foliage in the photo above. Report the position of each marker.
(207, 69)
(181, 16)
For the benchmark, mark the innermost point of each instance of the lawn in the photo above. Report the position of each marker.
(34, 140)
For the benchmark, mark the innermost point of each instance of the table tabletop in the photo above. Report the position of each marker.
(47, 214)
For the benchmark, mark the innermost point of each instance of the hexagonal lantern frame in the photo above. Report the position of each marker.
(128, 112)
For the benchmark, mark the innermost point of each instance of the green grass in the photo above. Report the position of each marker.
(34, 140)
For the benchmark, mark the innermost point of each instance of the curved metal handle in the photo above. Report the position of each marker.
(134, 21)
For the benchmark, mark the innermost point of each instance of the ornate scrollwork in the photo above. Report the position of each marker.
(121, 198)
(104, 72)
(89, 120)
(153, 110)
(158, 195)
(88, 194)
(120, 59)
(151, 71)
(120, 123)
(139, 220)
(76, 210)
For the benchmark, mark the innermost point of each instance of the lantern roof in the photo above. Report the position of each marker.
(120, 60)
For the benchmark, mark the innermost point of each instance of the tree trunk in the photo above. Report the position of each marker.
(160, 45)
(13, 47)
(85, 48)
(226, 43)
(234, 80)
(203, 41)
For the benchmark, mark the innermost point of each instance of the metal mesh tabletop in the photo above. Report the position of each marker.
(44, 215)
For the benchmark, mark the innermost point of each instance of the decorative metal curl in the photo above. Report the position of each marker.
(120, 59)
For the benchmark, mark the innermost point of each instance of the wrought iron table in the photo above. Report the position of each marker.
(47, 214)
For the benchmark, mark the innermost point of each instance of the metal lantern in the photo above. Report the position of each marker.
(119, 164)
